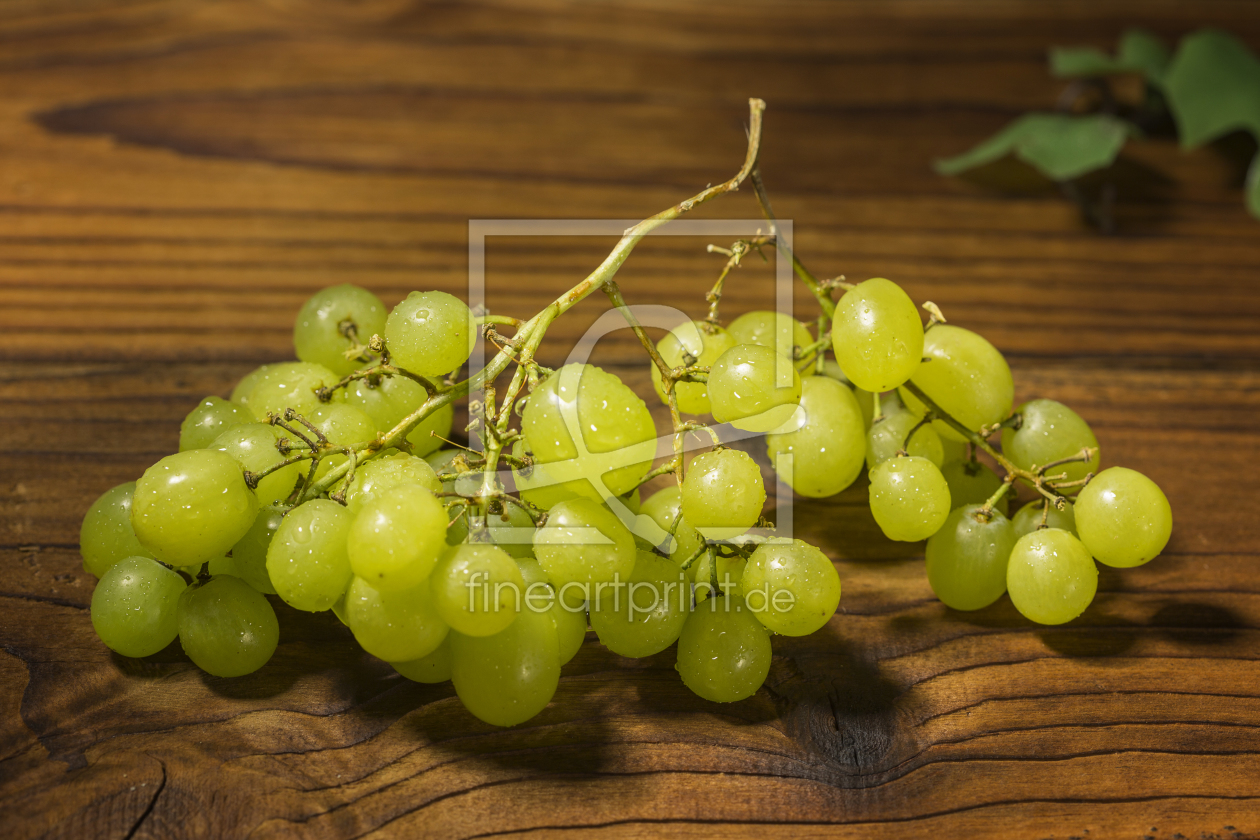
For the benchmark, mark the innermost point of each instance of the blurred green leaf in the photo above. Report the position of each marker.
(1213, 88)
(1139, 52)
(1059, 146)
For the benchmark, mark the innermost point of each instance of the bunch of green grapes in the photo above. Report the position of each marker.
(322, 483)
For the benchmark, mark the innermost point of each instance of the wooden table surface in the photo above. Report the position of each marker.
(177, 176)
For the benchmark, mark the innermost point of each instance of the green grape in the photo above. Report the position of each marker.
(377, 478)
(967, 377)
(457, 516)
(536, 485)
(442, 458)
(643, 614)
(395, 540)
(240, 394)
(1124, 519)
(318, 334)
(477, 589)
(724, 651)
(507, 678)
(909, 498)
(339, 610)
(972, 483)
(1050, 576)
(211, 417)
(430, 333)
(226, 628)
(343, 425)
(192, 507)
(618, 438)
(583, 543)
(433, 668)
(1048, 432)
(791, 587)
(722, 493)
(954, 450)
(827, 450)
(249, 555)
(753, 388)
(777, 330)
(540, 597)
(253, 446)
(704, 342)
(632, 500)
(394, 399)
(730, 574)
(134, 606)
(289, 385)
(394, 626)
(1028, 519)
(966, 558)
(218, 566)
(888, 437)
(664, 507)
(512, 531)
(307, 561)
(877, 336)
(106, 535)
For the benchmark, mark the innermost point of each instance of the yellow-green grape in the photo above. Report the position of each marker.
(724, 651)
(888, 437)
(339, 610)
(664, 507)
(967, 377)
(1029, 518)
(394, 626)
(342, 425)
(457, 518)
(507, 678)
(512, 530)
(253, 446)
(134, 606)
(632, 500)
(536, 485)
(441, 459)
(791, 587)
(307, 561)
(776, 330)
(966, 558)
(192, 507)
(318, 334)
(1049, 431)
(703, 342)
(617, 441)
(722, 493)
(827, 450)
(377, 478)
(954, 450)
(877, 336)
(106, 535)
(433, 668)
(753, 388)
(583, 543)
(289, 385)
(909, 498)
(394, 541)
(644, 613)
(477, 589)
(1050, 576)
(249, 555)
(211, 417)
(1124, 519)
(430, 333)
(226, 627)
(730, 575)
(394, 399)
(240, 394)
(540, 597)
(972, 483)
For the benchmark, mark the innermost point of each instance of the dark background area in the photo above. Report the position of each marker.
(176, 177)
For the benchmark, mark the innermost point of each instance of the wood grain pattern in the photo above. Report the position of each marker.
(176, 176)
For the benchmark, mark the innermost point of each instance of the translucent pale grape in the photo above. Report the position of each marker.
(966, 558)
(289, 385)
(226, 627)
(253, 446)
(317, 334)
(1048, 432)
(395, 626)
(240, 394)
(507, 678)
(664, 507)
(307, 561)
(583, 543)
(377, 478)
(722, 493)
(723, 651)
(395, 540)
(134, 606)
(753, 388)
(342, 425)
(249, 555)
(1028, 518)
(430, 333)
(1051, 577)
(1124, 519)
(909, 498)
(776, 330)
(541, 597)
(477, 589)
(972, 483)
(791, 587)
(433, 668)
(702, 341)
(394, 398)
(877, 335)
(888, 436)
(967, 377)
(828, 448)
(211, 417)
(106, 535)
(647, 614)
